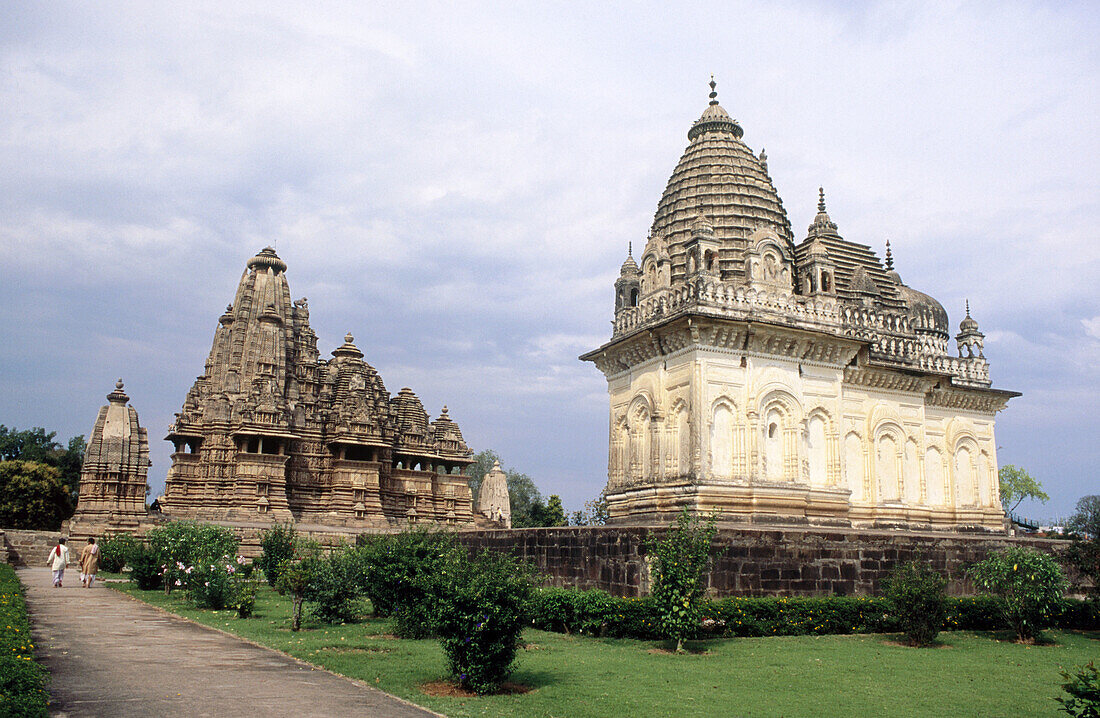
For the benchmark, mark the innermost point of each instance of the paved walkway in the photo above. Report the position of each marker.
(110, 656)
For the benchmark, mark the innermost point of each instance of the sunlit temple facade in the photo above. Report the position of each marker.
(273, 432)
(775, 381)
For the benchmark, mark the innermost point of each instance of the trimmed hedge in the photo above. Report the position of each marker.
(597, 613)
(22, 680)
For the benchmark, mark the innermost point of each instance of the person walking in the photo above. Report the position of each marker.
(58, 560)
(89, 563)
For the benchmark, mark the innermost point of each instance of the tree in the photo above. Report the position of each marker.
(679, 561)
(1029, 584)
(1017, 485)
(595, 512)
(39, 446)
(1086, 517)
(1084, 552)
(549, 514)
(32, 497)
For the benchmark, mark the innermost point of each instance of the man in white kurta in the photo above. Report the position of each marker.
(58, 560)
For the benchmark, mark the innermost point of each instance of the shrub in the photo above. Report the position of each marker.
(146, 568)
(1083, 688)
(295, 576)
(181, 544)
(114, 552)
(481, 614)
(213, 583)
(917, 593)
(247, 588)
(1030, 584)
(679, 561)
(277, 545)
(401, 574)
(22, 680)
(334, 592)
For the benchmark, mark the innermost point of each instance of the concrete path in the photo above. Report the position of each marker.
(110, 656)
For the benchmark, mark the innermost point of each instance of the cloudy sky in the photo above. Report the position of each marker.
(457, 186)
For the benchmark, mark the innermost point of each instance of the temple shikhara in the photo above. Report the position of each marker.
(114, 475)
(774, 381)
(273, 432)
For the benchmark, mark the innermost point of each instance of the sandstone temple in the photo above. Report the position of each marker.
(114, 476)
(775, 381)
(272, 432)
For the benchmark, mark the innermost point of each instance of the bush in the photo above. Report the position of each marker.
(596, 613)
(277, 545)
(334, 592)
(183, 544)
(213, 583)
(146, 567)
(481, 614)
(22, 680)
(1083, 688)
(1030, 584)
(247, 588)
(917, 593)
(295, 576)
(402, 576)
(679, 561)
(114, 552)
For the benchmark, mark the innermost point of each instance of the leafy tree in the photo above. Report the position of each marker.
(276, 546)
(1017, 485)
(31, 496)
(549, 514)
(679, 562)
(1029, 583)
(594, 514)
(1084, 552)
(1086, 517)
(39, 446)
(296, 577)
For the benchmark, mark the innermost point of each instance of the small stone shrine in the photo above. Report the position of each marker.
(113, 479)
(271, 432)
(776, 382)
(493, 500)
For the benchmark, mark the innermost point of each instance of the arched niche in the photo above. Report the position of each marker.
(854, 466)
(933, 477)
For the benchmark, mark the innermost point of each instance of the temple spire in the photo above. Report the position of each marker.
(889, 257)
(713, 90)
(820, 199)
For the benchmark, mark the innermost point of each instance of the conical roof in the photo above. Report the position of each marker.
(720, 178)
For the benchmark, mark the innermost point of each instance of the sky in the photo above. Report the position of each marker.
(456, 185)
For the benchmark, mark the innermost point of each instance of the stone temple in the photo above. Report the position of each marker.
(113, 478)
(775, 382)
(271, 432)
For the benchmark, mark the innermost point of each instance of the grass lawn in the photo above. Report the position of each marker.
(970, 674)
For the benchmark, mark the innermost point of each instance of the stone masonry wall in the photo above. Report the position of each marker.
(749, 561)
(27, 548)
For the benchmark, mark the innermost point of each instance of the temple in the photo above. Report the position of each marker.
(775, 382)
(113, 478)
(271, 432)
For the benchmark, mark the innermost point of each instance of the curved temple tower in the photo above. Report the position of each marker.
(272, 432)
(776, 382)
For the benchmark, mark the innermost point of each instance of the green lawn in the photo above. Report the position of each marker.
(971, 674)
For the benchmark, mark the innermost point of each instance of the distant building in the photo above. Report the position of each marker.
(114, 476)
(272, 432)
(493, 500)
(780, 382)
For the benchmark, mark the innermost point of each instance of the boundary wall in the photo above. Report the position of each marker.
(29, 548)
(756, 561)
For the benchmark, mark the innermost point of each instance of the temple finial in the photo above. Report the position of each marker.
(713, 90)
(630, 249)
(820, 199)
(968, 307)
(889, 256)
